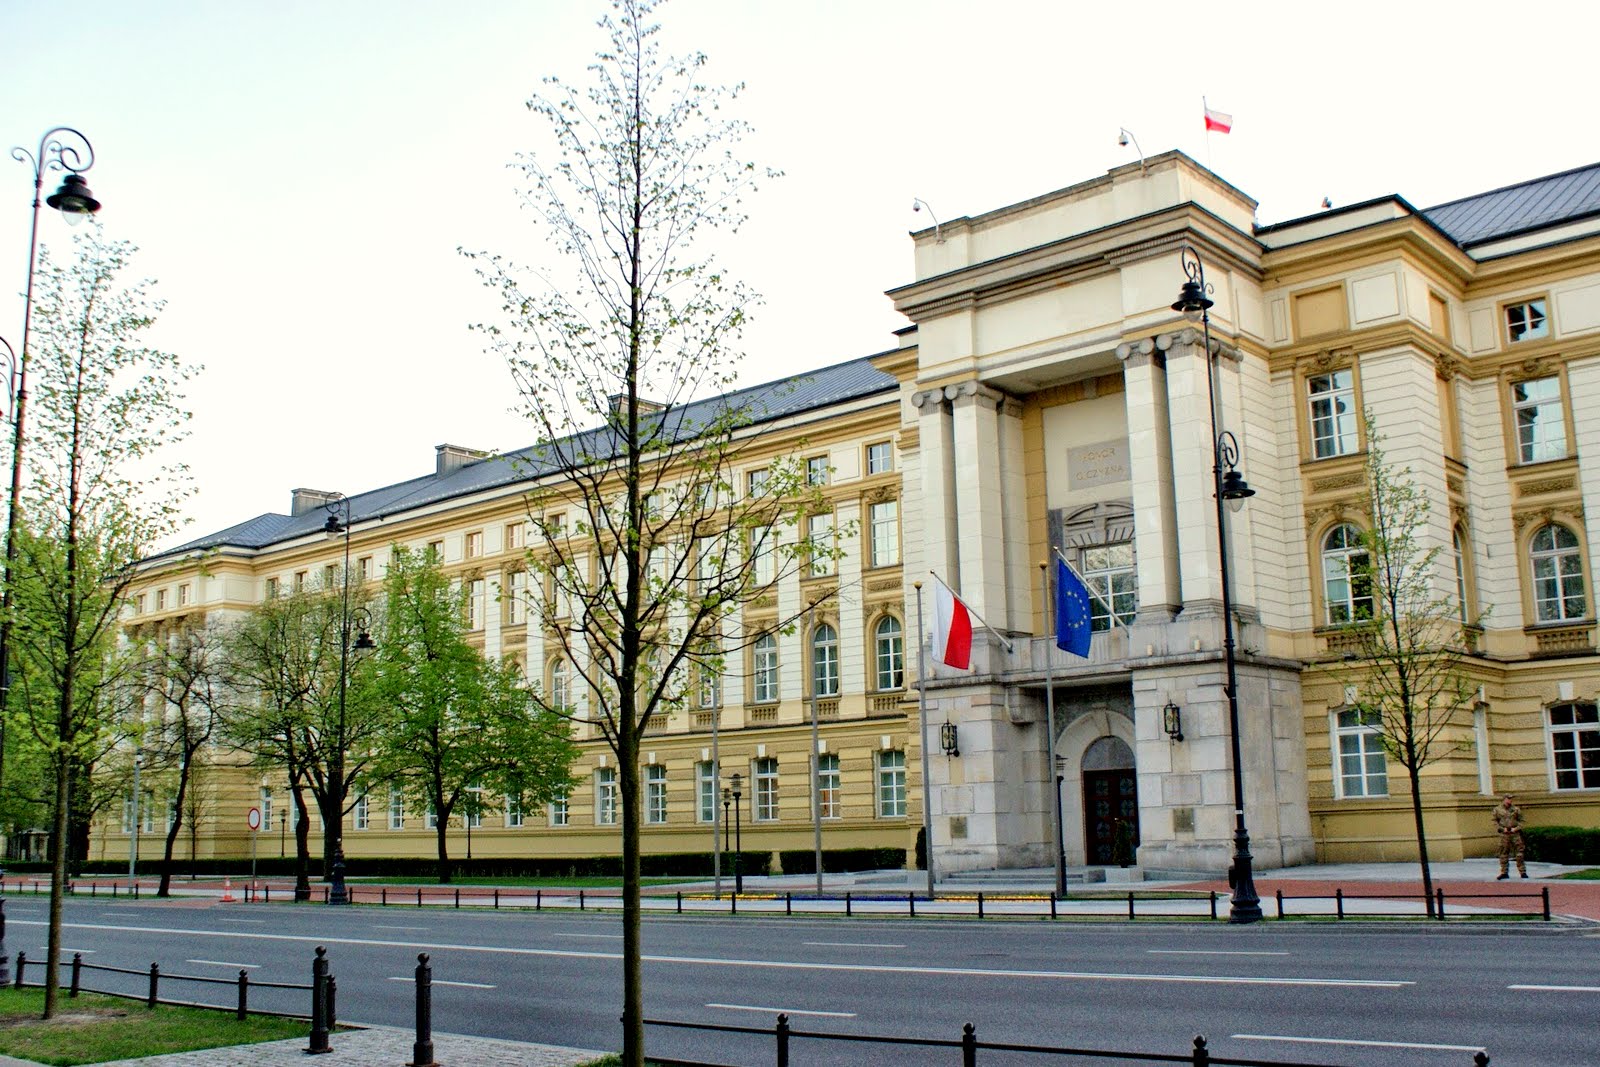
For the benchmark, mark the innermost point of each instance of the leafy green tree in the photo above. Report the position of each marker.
(462, 722)
(97, 500)
(1416, 685)
(643, 543)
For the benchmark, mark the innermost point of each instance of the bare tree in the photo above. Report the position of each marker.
(660, 506)
(187, 685)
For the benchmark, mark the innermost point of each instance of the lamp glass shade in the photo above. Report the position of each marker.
(73, 198)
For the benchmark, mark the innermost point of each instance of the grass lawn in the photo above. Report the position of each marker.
(1590, 875)
(93, 1029)
(587, 882)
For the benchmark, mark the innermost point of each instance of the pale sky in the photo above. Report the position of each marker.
(298, 175)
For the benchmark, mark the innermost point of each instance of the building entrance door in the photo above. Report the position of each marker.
(1110, 811)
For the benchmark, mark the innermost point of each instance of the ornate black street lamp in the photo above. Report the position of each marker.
(738, 831)
(60, 149)
(335, 527)
(1230, 490)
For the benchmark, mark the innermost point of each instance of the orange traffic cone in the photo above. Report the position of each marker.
(227, 892)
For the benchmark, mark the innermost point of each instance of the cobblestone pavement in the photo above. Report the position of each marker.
(378, 1045)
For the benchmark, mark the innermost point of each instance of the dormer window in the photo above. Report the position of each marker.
(1527, 321)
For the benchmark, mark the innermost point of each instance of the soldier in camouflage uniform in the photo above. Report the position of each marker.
(1508, 821)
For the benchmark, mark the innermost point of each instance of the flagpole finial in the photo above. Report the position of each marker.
(1043, 564)
(916, 585)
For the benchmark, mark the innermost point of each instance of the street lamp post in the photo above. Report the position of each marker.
(738, 837)
(1230, 490)
(60, 149)
(335, 527)
(133, 826)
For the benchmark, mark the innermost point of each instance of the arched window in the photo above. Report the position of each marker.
(1346, 585)
(889, 653)
(1557, 575)
(824, 661)
(764, 670)
(560, 683)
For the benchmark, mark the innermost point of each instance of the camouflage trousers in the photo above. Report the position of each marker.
(1512, 845)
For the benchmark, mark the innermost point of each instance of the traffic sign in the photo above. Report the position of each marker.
(253, 818)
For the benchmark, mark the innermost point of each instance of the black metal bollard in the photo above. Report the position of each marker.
(538, 900)
(419, 896)
(1480, 1059)
(788, 903)
(333, 989)
(422, 1049)
(1280, 903)
(1544, 891)
(1338, 901)
(319, 1004)
(680, 902)
(497, 900)
(969, 1046)
(336, 893)
(781, 1034)
(458, 897)
(22, 963)
(383, 898)
(77, 974)
(580, 900)
(1130, 906)
(980, 904)
(847, 911)
(1202, 1055)
(1439, 896)
(5, 962)
(155, 982)
(244, 996)
(911, 906)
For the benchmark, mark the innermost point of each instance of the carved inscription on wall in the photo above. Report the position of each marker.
(1099, 464)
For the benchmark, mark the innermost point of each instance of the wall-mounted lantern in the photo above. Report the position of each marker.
(1172, 721)
(947, 739)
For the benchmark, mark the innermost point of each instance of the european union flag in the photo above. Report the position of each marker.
(1072, 612)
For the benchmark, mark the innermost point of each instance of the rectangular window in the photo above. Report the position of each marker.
(516, 535)
(705, 790)
(397, 810)
(183, 594)
(272, 591)
(880, 457)
(430, 817)
(513, 810)
(817, 470)
(1575, 745)
(266, 808)
(161, 595)
(706, 687)
(883, 520)
(435, 551)
(828, 785)
(1109, 573)
(359, 816)
(763, 563)
(655, 794)
(764, 670)
(1363, 766)
(364, 568)
(559, 811)
(764, 797)
(605, 796)
(476, 597)
(330, 576)
(300, 579)
(1333, 413)
(1541, 422)
(474, 544)
(891, 785)
(472, 807)
(755, 483)
(819, 535)
(517, 602)
(1527, 322)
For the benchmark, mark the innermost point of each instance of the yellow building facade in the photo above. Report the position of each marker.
(1046, 397)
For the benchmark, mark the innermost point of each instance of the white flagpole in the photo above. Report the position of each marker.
(1053, 795)
(973, 612)
(716, 779)
(1110, 610)
(922, 720)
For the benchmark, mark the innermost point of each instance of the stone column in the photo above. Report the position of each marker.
(935, 438)
(1155, 524)
(980, 501)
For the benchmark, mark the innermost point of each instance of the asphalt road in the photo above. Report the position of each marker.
(1355, 994)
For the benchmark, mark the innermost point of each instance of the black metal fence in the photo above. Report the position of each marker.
(783, 1036)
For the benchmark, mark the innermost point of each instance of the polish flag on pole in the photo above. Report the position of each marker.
(952, 629)
(1220, 121)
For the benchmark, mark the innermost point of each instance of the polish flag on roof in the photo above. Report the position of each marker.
(952, 629)
(1220, 121)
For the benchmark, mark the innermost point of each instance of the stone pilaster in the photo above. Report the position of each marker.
(1154, 503)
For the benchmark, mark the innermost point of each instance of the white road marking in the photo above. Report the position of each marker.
(251, 922)
(1558, 988)
(1353, 1041)
(224, 963)
(441, 981)
(69, 951)
(1207, 952)
(607, 937)
(785, 1011)
(850, 944)
(776, 965)
(407, 929)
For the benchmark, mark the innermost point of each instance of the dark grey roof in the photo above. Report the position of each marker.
(837, 384)
(1515, 209)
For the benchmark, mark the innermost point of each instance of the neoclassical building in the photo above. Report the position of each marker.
(1045, 396)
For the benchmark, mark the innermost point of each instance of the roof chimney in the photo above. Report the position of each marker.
(304, 500)
(449, 458)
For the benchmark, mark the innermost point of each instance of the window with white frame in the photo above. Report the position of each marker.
(763, 561)
(819, 535)
(1558, 594)
(434, 552)
(1332, 398)
(705, 790)
(430, 817)
(397, 810)
(1346, 584)
(266, 808)
(883, 531)
(824, 661)
(655, 793)
(513, 809)
(1363, 766)
(764, 797)
(359, 815)
(764, 670)
(1527, 321)
(1458, 549)
(1541, 420)
(474, 544)
(183, 594)
(1575, 745)
(889, 654)
(516, 535)
(559, 811)
(817, 470)
(706, 682)
(755, 483)
(161, 594)
(476, 599)
(828, 785)
(472, 802)
(880, 457)
(329, 579)
(364, 568)
(560, 683)
(271, 593)
(1109, 573)
(891, 784)
(605, 796)
(517, 602)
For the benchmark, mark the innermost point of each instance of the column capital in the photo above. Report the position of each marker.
(1136, 353)
(1189, 336)
(972, 392)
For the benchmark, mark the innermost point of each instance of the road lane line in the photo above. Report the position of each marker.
(251, 922)
(606, 937)
(406, 929)
(68, 951)
(850, 944)
(1207, 952)
(224, 963)
(1353, 1041)
(441, 981)
(1558, 988)
(767, 964)
(784, 1011)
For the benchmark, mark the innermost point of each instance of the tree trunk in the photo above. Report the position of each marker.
(441, 831)
(165, 887)
(302, 844)
(332, 807)
(632, 946)
(58, 883)
(1422, 836)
